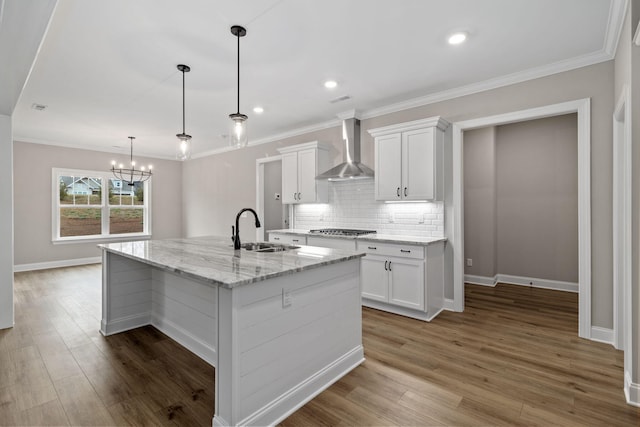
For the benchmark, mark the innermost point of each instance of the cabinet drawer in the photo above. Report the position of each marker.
(331, 242)
(291, 239)
(386, 249)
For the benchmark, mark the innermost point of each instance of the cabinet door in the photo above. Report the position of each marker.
(289, 178)
(406, 283)
(418, 157)
(307, 176)
(374, 279)
(388, 174)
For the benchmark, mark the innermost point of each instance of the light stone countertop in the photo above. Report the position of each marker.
(214, 261)
(377, 237)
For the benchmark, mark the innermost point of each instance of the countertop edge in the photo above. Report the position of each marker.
(230, 285)
(382, 238)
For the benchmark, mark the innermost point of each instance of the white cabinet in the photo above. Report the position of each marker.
(332, 242)
(409, 160)
(300, 165)
(290, 239)
(403, 279)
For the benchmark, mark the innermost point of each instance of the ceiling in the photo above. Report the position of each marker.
(107, 69)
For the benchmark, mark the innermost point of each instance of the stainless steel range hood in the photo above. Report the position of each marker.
(351, 168)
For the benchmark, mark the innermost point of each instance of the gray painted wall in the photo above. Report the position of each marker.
(231, 175)
(33, 199)
(480, 201)
(537, 198)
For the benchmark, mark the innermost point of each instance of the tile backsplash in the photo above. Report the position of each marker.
(352, 204)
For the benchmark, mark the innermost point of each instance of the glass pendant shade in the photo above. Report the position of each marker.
(238, 130)
(183, 151)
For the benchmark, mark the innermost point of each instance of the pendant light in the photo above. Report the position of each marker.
(131, 175)
(238, 131)
(184, 146)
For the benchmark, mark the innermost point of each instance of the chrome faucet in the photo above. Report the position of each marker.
(236, 231)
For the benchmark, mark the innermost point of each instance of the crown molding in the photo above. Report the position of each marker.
(278, 137)
(109, 150)
(617, 12)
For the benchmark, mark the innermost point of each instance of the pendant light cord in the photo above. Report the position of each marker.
(183, 102)
(238, 37)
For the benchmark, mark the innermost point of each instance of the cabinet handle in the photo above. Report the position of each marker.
(398, 191)
(389, 265)
(405, 191)
(296, 240)
(276, 238)
(406, 251)
(299, 196)
(372, 247)
(385, 265)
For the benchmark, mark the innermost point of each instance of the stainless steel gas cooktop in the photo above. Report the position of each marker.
(341, 232)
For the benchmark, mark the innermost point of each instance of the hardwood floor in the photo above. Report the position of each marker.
(512, 358)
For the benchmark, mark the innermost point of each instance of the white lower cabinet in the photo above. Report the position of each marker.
(290, 239)
(403, 279)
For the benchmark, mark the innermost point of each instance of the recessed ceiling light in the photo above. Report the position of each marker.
(330, 84)
(457, 38)
(38, 107)
(258, 110)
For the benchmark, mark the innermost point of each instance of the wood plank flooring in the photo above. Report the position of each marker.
(512, 358)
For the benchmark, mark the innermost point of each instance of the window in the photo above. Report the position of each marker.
(93, 205)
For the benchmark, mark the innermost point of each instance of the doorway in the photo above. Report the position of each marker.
(456, 232)
(273, 214)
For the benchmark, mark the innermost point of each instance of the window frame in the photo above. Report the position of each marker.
(104, 206)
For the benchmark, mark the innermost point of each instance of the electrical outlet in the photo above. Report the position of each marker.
(469, 262)
(392, 217)
(287, 298)
(420, 218)
(277, 196)
(321, 217)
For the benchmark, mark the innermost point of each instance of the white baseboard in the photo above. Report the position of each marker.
(537, 283)
(203, 350)
(448, 304)
(603, 335)
(480, 280)
(286, 404)
(523, 281)
(125, 324)
(56, 264)
(403, 311)
(631, 391)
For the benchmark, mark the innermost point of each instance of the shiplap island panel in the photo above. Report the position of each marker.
(279, 327)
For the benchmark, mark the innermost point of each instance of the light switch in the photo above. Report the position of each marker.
(287, 298)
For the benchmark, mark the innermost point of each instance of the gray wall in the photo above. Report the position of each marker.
(33, 199)
(480, 201)
(537, 198)
(231, 175)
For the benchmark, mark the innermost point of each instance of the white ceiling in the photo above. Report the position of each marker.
(107, 69)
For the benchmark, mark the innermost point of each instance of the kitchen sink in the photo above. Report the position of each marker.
(267, 247)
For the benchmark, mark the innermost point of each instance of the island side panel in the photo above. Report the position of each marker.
(284, 355)
(186, 310)
(126, 294)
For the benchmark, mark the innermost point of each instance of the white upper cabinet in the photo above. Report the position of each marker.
(409, 160)
(300, 165)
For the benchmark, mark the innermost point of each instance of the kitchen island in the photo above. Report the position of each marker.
(279, 327)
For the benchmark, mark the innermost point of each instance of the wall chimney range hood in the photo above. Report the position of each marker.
(350, 168)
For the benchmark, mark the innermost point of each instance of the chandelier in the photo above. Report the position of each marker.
(131, 175)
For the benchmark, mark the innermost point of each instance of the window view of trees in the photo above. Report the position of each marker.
(81, 206)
